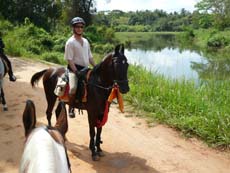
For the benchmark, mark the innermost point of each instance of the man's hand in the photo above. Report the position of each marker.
(79, 74)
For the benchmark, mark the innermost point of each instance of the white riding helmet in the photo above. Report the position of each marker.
(77, 20)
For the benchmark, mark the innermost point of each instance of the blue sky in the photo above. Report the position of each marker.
(133, 5)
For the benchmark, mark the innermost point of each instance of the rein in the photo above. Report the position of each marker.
(100, 86)
(110, 87)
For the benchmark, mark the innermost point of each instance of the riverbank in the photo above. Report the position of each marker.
(197, 110)
(201, 111)
(220, 40)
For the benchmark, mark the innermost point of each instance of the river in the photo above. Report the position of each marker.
(163, 54)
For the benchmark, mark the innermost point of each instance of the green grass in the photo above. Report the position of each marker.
(198, 111)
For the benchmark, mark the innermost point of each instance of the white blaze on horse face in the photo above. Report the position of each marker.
(42, 154)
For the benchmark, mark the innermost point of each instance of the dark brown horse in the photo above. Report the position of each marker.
(112, 70)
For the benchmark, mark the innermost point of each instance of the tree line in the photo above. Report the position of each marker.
(208, 13)
(46, 13)
(50, 13)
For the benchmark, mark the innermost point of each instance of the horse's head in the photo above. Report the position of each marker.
(120, 66)
(44, 149)
(113, 70)
(29, 118)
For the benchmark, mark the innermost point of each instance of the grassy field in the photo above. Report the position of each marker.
(202, 111)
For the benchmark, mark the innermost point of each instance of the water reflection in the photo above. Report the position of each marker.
(169, 62)
(214, 69)
(157, 42)
(164, 54)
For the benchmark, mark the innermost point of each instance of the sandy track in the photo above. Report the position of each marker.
(130, 146)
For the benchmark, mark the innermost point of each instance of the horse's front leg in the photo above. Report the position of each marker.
(99, 142)
(92, 147)
(5, 108)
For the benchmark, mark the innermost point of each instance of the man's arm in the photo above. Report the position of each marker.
(72, 66)
(91, 60)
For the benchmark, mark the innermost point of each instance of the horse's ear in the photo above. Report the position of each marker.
(122, 49)
(29, 117)
(117, 49)
(62, 121)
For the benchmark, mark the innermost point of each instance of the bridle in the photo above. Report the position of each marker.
(116, 81)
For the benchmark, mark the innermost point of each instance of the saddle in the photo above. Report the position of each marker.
(62, 87)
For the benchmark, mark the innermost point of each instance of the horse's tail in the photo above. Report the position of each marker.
(36, 77)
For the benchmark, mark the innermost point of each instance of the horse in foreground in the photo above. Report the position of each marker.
(3, 71)
(111, 71)
(44, 150)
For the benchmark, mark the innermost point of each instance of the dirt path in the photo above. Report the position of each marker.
(130, 146)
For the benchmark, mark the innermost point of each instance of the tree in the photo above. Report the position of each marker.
(81, 8)
(219, 8)
(40, 12)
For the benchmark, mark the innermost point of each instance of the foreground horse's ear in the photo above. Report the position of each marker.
(62, 121)
(122, 49)
(29, 117)
(117, 49)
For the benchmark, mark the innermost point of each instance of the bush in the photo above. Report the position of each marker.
(15, 50)
(47, 43)
(217, 41)
(103, 48)
(34, 49)
(189, 32)
(5, 26)
(59, 43)
(54, 57)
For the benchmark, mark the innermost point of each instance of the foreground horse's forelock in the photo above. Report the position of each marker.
(44, 149)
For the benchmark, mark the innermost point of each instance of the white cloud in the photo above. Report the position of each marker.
(133, 5)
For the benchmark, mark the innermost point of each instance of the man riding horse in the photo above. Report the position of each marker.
(78, 56)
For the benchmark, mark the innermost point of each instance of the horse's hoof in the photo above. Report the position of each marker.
(101, 153)
(96, 157)
(5, 109)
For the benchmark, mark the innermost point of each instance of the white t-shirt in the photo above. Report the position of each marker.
(80, 54)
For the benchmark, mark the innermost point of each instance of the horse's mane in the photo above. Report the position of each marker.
(42, 149)
(104, 60)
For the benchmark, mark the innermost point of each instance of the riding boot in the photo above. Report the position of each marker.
(11, 76)
(71, 105)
